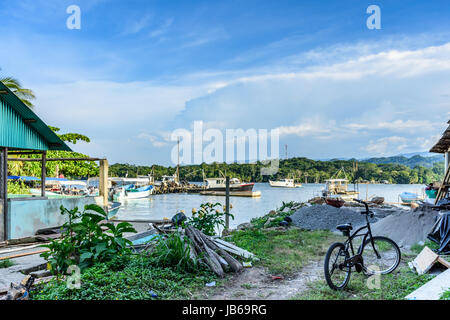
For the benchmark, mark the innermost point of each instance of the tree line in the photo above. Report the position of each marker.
(302, 169)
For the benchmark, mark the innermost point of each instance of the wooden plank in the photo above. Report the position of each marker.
(233, 249)
(23, 254)
(433, 289)
(426, 259)
(443, 189)
(20, 249)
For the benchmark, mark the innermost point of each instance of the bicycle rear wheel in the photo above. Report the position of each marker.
(384, 259)
(336, 274)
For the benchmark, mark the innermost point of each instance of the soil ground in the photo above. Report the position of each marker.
(256, 284)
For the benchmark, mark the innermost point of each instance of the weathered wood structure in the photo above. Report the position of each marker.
(443, 146)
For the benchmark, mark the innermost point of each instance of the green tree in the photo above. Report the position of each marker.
(26, 95)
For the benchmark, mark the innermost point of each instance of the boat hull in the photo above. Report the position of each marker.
(337, 203)
(243, 187)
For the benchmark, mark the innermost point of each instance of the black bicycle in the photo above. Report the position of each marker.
(375, 255)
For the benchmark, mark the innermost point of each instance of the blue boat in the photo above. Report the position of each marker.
(409, 197)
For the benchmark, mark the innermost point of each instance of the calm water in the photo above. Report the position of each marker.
(166, 205)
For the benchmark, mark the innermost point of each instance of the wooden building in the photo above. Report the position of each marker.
(443, 147)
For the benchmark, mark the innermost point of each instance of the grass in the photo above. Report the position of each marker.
(446, 295)
(284, 252)
(127, 278)
(395, 286)
(6, 263)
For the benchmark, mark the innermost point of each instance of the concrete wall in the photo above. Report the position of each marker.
(25, 217)
(2, 228)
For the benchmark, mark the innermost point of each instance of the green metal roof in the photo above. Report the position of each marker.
(21, 128)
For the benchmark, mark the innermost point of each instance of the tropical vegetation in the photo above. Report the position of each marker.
(306, 170)
(26, 95)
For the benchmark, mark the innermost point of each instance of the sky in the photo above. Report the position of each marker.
(136, 71)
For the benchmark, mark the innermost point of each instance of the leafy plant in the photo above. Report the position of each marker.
(127, 277)
(208, 219)
(6, 263)
(86, 240)
(174, 251)
(18, 187)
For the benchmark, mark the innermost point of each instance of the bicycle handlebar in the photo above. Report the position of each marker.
(365, 204)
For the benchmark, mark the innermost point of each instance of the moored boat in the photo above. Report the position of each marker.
(219, 184)
(409, 197)
(133, 193)
(334, 202)
(284, 183)
(339, 187)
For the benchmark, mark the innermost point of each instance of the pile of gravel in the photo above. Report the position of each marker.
(406, 227)
(326, 217)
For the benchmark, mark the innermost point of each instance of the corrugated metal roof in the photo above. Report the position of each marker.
(21, 128)
(443, 145)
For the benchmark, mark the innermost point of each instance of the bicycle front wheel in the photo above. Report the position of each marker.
(337, 274)
(381, 257)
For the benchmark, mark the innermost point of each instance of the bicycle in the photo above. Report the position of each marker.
(375, 255)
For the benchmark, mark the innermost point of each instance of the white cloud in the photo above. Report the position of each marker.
(388, 144)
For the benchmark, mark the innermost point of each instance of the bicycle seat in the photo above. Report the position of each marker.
(345, 227)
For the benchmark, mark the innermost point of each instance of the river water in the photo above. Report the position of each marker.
(167, 205)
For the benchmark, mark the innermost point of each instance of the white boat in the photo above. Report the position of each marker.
(219, 184)
(284, 183)
(138, 193)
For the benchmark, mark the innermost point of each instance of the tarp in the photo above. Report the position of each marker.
(25, 178)
(440, 233)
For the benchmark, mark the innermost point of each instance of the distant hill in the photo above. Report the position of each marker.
(416, 160)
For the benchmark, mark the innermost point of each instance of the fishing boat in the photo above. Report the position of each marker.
(133, 193)
(284, 183)
(339, 187)
(409, 197)
(219, 184)
(113, 209)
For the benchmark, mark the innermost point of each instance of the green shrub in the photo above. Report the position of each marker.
(208, 219)
(87, 240)
(174, 251)
(130, 277)
(17, 187)
(6, 263)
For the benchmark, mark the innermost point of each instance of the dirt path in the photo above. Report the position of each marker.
(256, 284)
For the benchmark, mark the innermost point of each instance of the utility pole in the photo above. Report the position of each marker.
(178, 163)
(227, 202)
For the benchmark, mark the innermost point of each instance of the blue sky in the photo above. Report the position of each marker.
(137, 70)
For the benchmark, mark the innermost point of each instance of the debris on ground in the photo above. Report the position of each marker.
(275, 218)
(215, 252)
(426, 260)
(326, 217)
(20, 291)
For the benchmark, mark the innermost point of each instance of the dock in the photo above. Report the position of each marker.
(251, 194)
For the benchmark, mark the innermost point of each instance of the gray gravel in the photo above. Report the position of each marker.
(326, 217)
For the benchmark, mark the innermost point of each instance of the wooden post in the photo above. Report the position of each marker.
(446, 162)
(103, 182)
(43, 172)
(227, 202)
(4, 194)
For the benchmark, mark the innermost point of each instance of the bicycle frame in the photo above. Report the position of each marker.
(355, 258)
